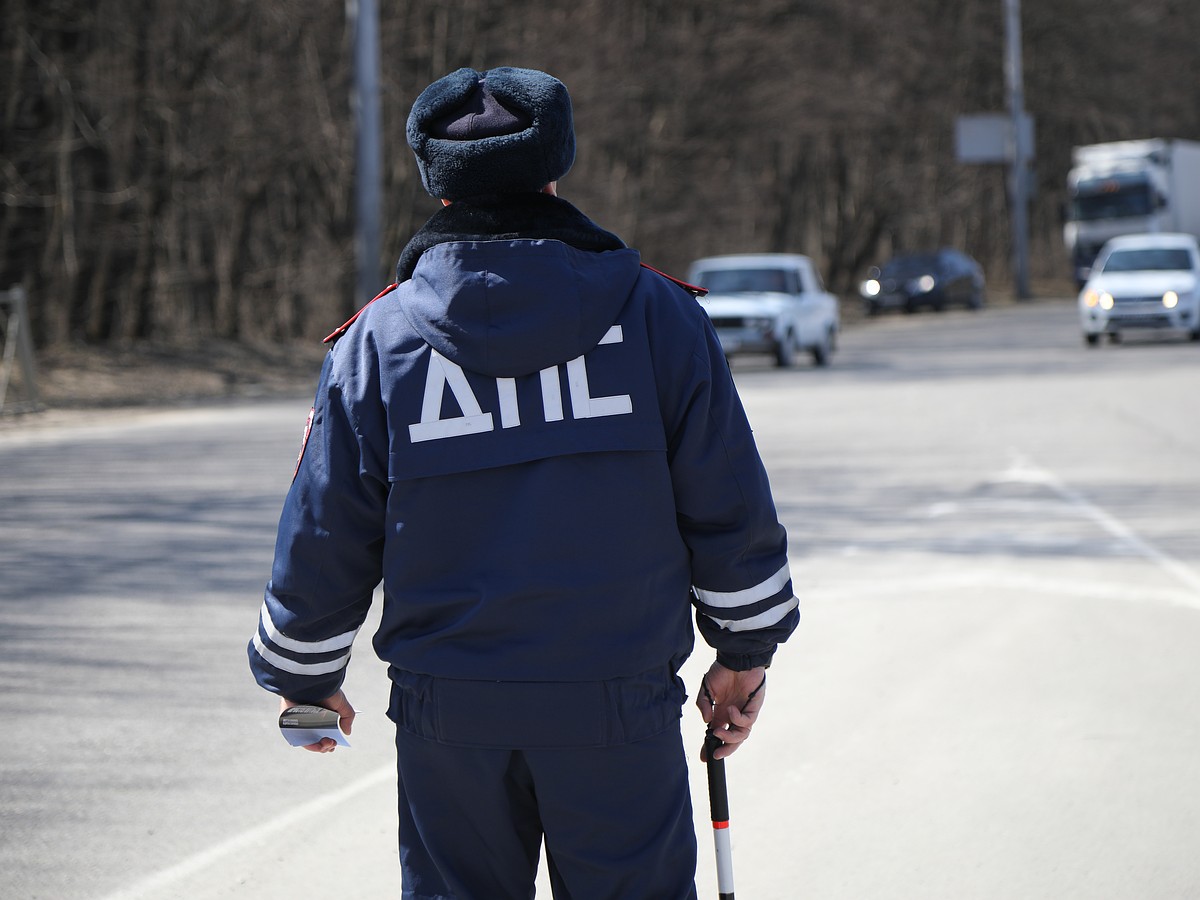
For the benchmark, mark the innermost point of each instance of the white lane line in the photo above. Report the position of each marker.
(1024, 471)
(160, 881)
(991, 578)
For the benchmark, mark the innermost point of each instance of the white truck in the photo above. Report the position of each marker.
(1129, 187)
(770, 303)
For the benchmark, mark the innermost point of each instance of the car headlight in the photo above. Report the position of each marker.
(1170, 299)
(926, 283)
(1093, 298)
(870, 288)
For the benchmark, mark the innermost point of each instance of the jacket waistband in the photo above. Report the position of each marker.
(527, 715)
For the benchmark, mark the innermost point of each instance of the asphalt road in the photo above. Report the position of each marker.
(993, 693)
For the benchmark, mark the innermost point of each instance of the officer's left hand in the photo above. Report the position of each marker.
(340, 705)
(729, 703)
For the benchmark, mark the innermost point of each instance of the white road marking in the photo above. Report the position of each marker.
(198, 861)
(1070, 501)
(974, 578)
(1024, 471)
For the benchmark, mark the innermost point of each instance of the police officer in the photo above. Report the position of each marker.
(533, 441)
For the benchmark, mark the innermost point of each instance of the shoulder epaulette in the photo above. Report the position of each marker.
(694, 289)
(341, 329)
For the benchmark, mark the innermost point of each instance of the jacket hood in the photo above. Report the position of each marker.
(509, 284)
(505, 308)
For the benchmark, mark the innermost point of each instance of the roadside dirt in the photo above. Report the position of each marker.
(79, 381)
(75, 381)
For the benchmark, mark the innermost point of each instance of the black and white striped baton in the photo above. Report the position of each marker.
(718, 800)
(718, 804)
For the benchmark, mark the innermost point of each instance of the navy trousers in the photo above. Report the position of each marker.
(616, 820)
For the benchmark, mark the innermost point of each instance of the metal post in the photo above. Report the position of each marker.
(1018, 187)
(363, 19)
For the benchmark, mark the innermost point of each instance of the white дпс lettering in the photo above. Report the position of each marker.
(474, 420)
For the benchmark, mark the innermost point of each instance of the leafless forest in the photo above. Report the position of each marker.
(182, 169)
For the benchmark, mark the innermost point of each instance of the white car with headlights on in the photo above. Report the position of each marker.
(1143, 281)
(769, 303)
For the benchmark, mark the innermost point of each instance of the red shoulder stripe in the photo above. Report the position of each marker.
(341, 329)
(694, 289)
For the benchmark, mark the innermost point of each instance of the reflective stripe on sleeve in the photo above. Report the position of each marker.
(747, 596)
(279, 639)
(296, 668)
(762, 620)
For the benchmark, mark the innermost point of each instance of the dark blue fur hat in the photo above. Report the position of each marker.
(502, 131)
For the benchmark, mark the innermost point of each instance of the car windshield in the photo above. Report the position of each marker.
(918, 264)
(1149, 259)
(1112, 198)
(742, 281)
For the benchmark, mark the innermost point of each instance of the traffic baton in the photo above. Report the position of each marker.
(718, 804)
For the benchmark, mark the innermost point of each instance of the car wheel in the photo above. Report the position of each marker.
(785, 353)
(1194, 335)
(822, 351)
(1092, 340)
(1114, 337)
(976, 301)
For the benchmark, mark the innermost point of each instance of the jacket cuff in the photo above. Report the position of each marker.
(742, 662)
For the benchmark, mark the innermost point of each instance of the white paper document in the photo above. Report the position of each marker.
(303, 725)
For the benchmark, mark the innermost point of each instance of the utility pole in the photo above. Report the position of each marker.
(1018, 179)
(363, 18)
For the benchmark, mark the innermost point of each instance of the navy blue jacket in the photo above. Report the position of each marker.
(539, 451)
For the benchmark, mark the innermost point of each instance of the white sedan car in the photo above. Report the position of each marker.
(771, 303)
(1143, 281)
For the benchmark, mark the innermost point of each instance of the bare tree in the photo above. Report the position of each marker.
(177, 170)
